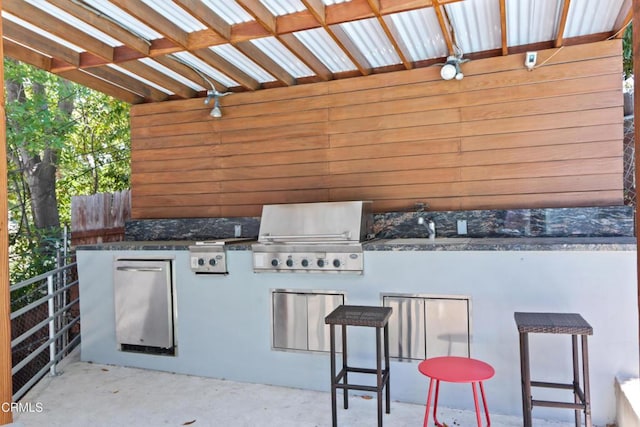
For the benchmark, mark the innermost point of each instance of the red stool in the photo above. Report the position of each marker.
(456, 370)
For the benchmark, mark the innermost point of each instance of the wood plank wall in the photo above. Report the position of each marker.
(503, 137)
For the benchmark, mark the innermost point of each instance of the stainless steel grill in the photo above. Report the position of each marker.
(313, 237)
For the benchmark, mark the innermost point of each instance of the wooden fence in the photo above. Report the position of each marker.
(100, 217)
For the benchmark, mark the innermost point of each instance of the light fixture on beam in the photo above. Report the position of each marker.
(216, 112)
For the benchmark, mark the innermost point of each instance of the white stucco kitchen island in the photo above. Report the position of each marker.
(223, 323)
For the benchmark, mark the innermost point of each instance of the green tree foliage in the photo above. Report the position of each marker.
(627, 51)
(62, 139)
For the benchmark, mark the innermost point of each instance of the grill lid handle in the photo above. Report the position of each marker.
(341, 236)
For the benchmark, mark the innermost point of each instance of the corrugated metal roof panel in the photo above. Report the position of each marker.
(532, 21)
(240, 60)
(325, 49)
(142, 79)
(75, 22)
(170, 73)
(332, 2)
(370, 38)
(589, 17)
(283, 56)
(204, 68)
(476, 24)
(41, 32)
(176, 14)
(283, 7)
(418, 34)
(229, 10)
(124, 19)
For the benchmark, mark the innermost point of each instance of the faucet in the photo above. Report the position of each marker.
(431, 226)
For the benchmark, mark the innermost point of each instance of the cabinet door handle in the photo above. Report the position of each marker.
(139, 268)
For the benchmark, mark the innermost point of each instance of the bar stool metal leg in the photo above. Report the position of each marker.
(386, 366)
(526, 380)
(332, 336)
(379, 375)
(587, 388)
(345, 390)
(576, 378)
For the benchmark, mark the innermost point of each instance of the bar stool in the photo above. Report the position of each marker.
(355, 315)
(555, 323)
(456, 369)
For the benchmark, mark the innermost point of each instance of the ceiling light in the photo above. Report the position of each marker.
(216, 112)
(451, 68)
(448, 71)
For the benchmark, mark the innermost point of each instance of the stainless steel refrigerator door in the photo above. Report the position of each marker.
(143, 303)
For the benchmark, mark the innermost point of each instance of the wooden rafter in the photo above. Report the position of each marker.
(46, 52)
(26, 37)
(55, 26)
(562, 24)
(503, 28)
(270, 24)
(155, 20)
(375, 6)
(187, 72)
(117, 32)
(161, 79)
(353, 55)
(100, 84)
(228, 69)
(444, 27)
(124, 81)
(624, 20)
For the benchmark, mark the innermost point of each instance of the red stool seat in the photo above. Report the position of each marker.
(456, 370)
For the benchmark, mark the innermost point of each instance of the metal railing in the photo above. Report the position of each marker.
(45, 329)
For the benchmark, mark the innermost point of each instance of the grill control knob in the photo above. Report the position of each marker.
(200, 261)
(305, 263)
(320, 263)
(289, 262)
(212, 262)
(336, 263)
(274, 262)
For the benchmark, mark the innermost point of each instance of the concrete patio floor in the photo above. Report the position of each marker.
(87, 394)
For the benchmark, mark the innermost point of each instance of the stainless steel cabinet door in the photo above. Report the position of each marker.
(406, 327)
(421, 327)
(318, 307)
(289, 320)
(143, 303)
(298, 320)
(447, 324)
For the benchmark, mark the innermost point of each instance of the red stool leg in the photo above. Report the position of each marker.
(426, 412)
(435, 405)
(475, 402)
(484, 402)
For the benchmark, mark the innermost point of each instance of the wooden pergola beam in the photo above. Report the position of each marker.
(6, 380)
(562, 24)
(636, 134)
(503, 28)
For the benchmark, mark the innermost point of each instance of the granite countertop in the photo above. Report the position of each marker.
(418, 244)
(506, 244)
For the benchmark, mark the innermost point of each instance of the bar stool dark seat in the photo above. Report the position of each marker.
(357, 315)
(555, 323)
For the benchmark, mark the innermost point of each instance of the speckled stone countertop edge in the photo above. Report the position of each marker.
(447, 244)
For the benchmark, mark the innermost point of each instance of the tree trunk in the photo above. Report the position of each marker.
(40, 169)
